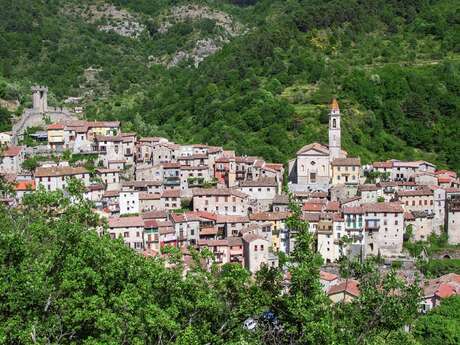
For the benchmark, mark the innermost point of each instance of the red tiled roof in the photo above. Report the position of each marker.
(108, 138)
(149, 196)
(155, 214)
(312, 207)
(418, 192)
(232, 219)
(25, 185)
(353, 210)
(150, 223)
(12, 151)
(387, 164)
(59, 171)
(261, 182)
(445, 291)
(218, 192)
(346, 162)
(55, 126)
(126, 222)
(213, 230)
(446, 172)
(213, 243)
(203, 214)
(269, 216)
(327, 276)
(408, 216)
(383, 207)
(349, 286)
(171, 193)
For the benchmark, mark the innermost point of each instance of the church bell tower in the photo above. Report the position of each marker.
(335, 150)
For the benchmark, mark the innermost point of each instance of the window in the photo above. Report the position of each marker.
(255, 248)
(313, 177)
(126, 234)
(261, 247)
(334, 123)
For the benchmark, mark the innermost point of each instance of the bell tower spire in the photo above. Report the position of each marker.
(335, 150)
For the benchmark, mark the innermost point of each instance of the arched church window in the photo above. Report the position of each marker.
(302, 167)
(334, 123)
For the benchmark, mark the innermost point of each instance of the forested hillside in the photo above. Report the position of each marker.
(265, 70)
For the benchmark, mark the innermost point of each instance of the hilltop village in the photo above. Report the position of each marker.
(156, 193)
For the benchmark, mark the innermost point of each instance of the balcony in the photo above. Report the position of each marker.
(172, 181)
(372, 225)
(353, 226)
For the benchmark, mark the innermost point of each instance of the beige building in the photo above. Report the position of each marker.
(421, 224)
(56, 136)
(255, 250)
(344, 292)
(130, 229)
(346, 171)
(224, 201)
(417, 200)
(110, 178)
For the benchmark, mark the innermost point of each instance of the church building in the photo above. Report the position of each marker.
(311, 169)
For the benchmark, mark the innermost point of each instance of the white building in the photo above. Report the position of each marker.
(54, 178)
(129, 202)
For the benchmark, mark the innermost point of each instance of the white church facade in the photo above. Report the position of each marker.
(311, 169)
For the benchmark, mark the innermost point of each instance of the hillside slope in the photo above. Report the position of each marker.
(270, 72)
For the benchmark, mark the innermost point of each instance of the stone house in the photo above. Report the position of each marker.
(421, 223)
(261, 191)
(231, 225)
(110, 178)
(171, 199)
(453, 221)
(54, 178)
(219, 248)
(417, 200)
(171, 175)
(109, 148)
(223, 201)
(130, 229)
(12, 158)
(149, 202)
(384, 229)
(129, 147)
(148, 186)
(256, 254)
(151, 235)
(369, 193)
(193, 177)
(280, 203)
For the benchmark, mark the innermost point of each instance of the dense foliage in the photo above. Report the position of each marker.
(441, 326)
(393, 65)
(61, 283)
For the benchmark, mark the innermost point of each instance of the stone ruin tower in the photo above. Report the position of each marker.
(39, 99)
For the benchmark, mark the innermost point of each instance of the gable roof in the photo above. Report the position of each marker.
(320, 148)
